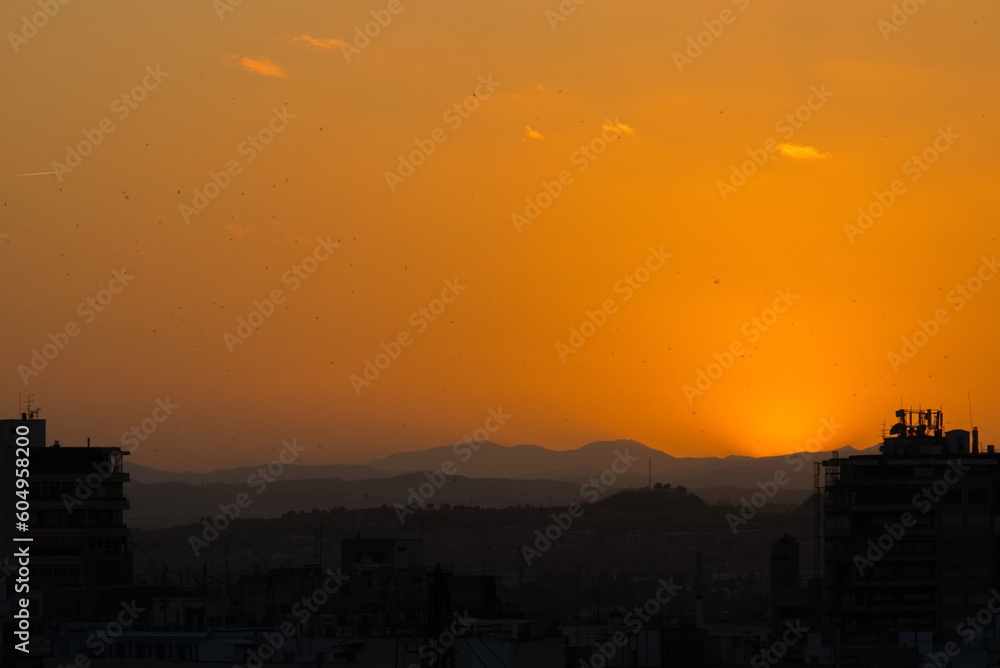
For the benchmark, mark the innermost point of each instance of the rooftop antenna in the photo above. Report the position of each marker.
(25, 403)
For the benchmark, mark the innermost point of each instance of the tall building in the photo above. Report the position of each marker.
(78, 542)
(20, 440)
(28, 432)
(81, 542)
(910, 538)
(789, 599)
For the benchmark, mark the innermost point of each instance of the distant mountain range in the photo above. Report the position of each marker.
(533, 462)
(491, 476)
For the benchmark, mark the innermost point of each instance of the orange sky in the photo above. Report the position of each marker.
(301, 120)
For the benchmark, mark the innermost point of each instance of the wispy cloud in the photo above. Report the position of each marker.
(532, 134)
(800, 152)
(264, 66)
(618, 127)
(17, 176)
(239, 231)
(330, 43)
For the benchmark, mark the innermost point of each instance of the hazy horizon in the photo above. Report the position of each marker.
(450, 446)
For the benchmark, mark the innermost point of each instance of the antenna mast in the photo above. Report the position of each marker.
(24, 406)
